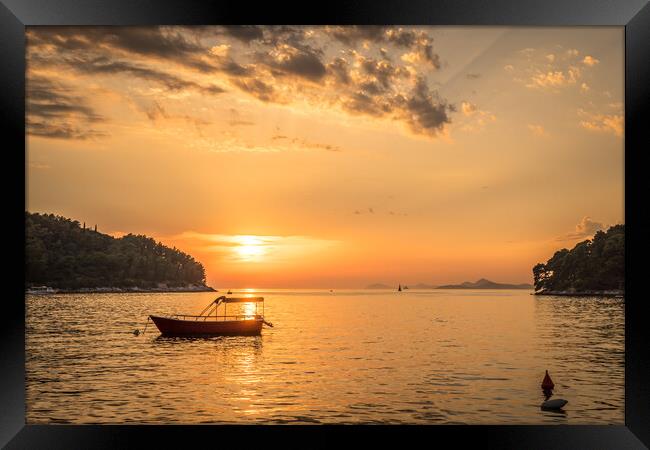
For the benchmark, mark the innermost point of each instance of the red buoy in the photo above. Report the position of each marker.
(547, 383)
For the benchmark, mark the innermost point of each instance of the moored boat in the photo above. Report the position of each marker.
(210, 323)
(41, 290)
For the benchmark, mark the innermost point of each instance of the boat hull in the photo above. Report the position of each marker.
(176, 327)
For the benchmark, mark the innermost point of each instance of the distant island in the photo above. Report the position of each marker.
(485, 284)
(592, 267)
(480, 284)
(64, 255)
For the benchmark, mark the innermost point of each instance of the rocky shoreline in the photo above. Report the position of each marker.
(117, 290)
(572, 293)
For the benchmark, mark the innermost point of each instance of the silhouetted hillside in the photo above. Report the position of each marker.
(62, 254)
(592, 265)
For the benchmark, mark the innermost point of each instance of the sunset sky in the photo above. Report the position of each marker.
(332, 156)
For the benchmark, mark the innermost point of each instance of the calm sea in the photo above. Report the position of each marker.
(364, 356)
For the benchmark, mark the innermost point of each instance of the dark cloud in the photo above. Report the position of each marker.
(339, 69)
(53, 111)
(473, 76)
(281, 61)
(414, 40)
(98, 50)
(257, 88)
(244, 33)
(62, 131)
(161, 42)
(302, 62)
(383, 71)
(232, 68)
(425, 112)
(422, 109)
(355, 34)
(105, 65)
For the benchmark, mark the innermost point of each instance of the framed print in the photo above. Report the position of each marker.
(365, 220)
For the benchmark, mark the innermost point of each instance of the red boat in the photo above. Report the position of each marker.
(210, 323)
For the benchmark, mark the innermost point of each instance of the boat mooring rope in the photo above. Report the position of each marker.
(137, 332)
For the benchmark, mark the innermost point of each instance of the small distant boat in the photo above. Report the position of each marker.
(210, 323)
(41, 290)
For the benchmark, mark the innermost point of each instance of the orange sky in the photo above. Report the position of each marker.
(332, 156)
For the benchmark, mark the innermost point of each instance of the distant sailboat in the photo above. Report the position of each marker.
(399, 288)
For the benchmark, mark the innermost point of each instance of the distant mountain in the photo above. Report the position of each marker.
(378, 286)
(485, 284)
(423, 286)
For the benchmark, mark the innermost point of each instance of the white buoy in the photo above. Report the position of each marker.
(558, 403)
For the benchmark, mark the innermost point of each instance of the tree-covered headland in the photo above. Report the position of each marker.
(594, 265)
(63, 254)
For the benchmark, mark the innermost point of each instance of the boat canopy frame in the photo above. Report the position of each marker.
(213, 306)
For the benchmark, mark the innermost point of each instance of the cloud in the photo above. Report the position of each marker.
(475, 118)
(237, 120)
(244, 33)
(352, 36)
(586, 228)
(276, 143)
(607, 123)
(156, 111)
(473, 76)
(258, 88)
(468, 108)
(305, 144)
(254, 248)
(290, 60)
(54, 111)
(537, 130)
(555, 78)
(159, 42)
(104, 65)
(584, 87)
(418, 43)
(280, 64)
(538, 69)
(38, 165)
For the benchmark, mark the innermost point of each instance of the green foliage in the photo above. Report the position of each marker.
(62, 254)
(592, 265)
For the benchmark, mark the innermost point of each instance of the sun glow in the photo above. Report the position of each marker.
(249, 248)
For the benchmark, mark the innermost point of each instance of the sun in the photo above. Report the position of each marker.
(249, 248)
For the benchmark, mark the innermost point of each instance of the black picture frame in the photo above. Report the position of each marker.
(634, 15)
